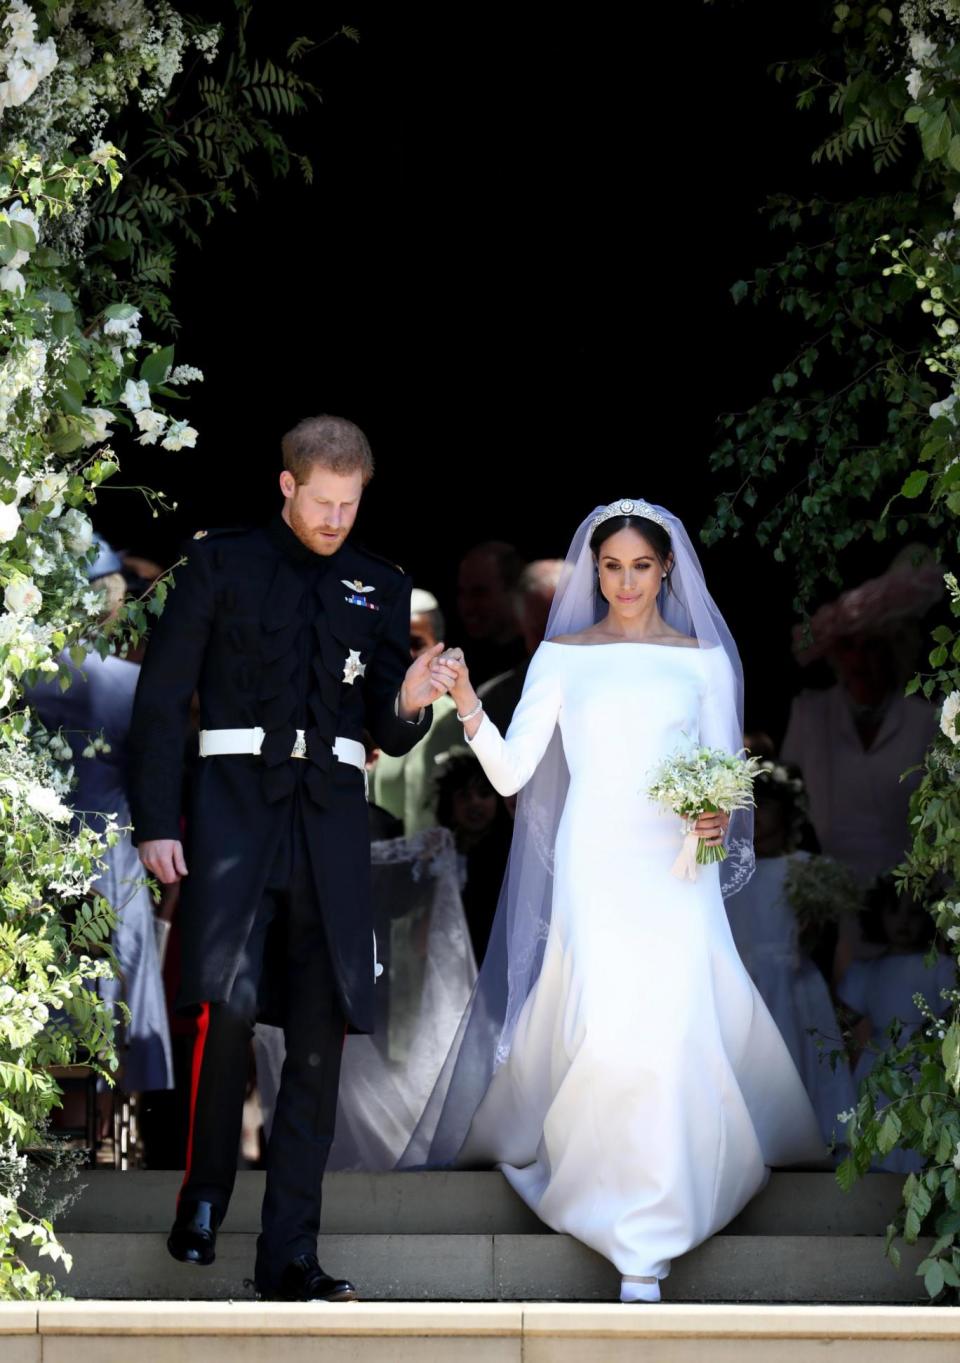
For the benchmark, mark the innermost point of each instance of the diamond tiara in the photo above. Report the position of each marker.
(626, 507)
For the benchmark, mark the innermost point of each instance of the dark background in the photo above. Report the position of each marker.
(513, 271)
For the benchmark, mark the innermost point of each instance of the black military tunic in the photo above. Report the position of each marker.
(274, 636)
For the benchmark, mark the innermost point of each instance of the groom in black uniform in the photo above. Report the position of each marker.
(296, 642)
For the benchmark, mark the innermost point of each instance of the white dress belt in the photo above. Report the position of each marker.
(226, 742)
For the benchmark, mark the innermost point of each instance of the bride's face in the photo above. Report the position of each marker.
(630, 573)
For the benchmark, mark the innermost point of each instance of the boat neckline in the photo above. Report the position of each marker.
(636, 643)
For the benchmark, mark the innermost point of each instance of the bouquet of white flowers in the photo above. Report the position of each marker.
(702, 781)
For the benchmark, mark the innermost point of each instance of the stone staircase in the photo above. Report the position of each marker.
(465, 1237)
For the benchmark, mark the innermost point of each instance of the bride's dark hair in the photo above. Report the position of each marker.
(653, 533)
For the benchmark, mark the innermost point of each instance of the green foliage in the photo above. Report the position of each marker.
(860, 436)
(89, 231)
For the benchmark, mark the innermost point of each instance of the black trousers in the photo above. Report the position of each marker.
(288, 928)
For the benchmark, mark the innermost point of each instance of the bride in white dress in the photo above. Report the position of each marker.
(636, 1087)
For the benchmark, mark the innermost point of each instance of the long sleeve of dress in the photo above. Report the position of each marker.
(719, 722)
(510, 761)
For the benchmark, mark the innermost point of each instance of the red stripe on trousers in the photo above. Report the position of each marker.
(203, 1025)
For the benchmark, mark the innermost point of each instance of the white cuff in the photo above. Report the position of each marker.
(396, 711)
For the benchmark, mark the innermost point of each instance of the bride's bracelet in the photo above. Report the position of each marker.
(470, 713)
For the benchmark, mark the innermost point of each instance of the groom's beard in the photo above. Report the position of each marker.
(314, 537)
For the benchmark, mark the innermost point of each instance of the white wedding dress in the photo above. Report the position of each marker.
(647, 1089)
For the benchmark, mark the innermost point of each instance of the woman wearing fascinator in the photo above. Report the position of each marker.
(616, 1060)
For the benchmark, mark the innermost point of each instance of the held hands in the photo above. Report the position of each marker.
(163, 858)
(712, 827)
(420, 686)
(451, 672)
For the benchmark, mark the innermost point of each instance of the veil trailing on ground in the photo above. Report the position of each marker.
(515, 952)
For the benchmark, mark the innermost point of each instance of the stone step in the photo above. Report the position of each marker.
(506, 1267)
(442, 1203)
(169, 1332)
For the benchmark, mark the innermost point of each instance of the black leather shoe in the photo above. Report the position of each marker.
(304, 1280)
(193, 1239)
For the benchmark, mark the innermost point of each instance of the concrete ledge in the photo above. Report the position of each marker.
(18, 1318)
(445, 1203)
(487, 1319)
(441, 1268)
(279, 1319)
(666, 1321)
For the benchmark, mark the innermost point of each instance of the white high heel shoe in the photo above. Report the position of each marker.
(639, 1289)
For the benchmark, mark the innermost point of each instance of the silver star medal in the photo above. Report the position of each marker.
(353, 667)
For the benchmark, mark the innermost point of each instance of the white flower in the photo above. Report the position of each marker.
(948, 327)
(180, 436)
(16, 212)
(846, 1116)
(77, 531)
(953, 934)
(46, 801)
(956, 207)
(123, 326)
(11, 280)
(944, 408)
(22, 23)
(914, 83)
(22, 595)
(152, 423)
(22, 486)
(100, 419)
(956, 1157)
(93, 602)
(50, 488)
(9, 521)
(922, 48)
(102, 152)
(136, 394)
(184, 373)
(948, 716)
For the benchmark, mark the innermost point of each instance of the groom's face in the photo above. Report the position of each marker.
(321, 511)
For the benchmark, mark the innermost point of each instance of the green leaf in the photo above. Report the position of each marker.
(953, 152)
(911, 1227)
(914, 483)
(120, 312)
(23, 236)
(935, 134)
(889, 1133)
(156, 365)
(933, 1279)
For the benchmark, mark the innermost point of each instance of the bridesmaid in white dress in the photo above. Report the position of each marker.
(642, 1088)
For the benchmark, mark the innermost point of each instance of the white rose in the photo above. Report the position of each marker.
(948, 716)
(152, 423)
(948, 327)
(9, 521)
(77, 531)
(21, 82)
(23, 485)
(22, 595)
(22, 23)
(922, 48)
(11, 280)
(100, 419)
(914, 82)
(136, 394)
(50, 489)
(180, 436)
